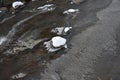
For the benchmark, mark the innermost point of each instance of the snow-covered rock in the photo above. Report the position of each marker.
(58, 41)
(49, 47)
(17, 76)
(16, 4)
(67, 29)
(55, 44)
(71, 11)
(61, 30)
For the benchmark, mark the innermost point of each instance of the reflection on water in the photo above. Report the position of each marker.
(2, 39)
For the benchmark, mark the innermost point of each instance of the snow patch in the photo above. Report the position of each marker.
(46, 7)
(67, 29)
(17, 76)
(58, 41)
(58, 30)
(61, 30)
(16, 4)
(71, 11)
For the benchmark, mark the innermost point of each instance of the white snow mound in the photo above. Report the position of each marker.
(67, 29)
(71, 11)
(16, 4)
(58, 41)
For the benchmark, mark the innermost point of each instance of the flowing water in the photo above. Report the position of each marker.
(23, 34)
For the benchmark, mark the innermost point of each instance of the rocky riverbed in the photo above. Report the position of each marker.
(90, 50)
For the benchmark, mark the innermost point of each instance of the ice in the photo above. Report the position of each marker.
(71, 11)
(16, 4)
(17, 76)
(2, 39)
(58, 41)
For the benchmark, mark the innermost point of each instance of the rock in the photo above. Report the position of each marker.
(58, 41)
(16, 4)
(71, 11)
(55, 44)
(49, 47)
(2, 9)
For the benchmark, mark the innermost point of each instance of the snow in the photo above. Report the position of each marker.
(2, 39)
(58, 41)
(55, 44)
(46, 7)
(16, 4)
(67, 29)
(71, 11)
(61, 30)
(17, 76)
(49, 47)
(58, 30)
